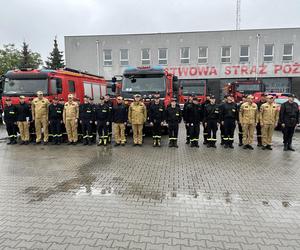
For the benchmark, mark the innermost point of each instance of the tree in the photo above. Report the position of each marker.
(29, 59)
(9, 58)
(55, 60)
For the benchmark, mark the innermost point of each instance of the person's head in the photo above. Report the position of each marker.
(269, 99)
(212, 99)
(40, 94)
(263, 98)
(119, 99)
(86, 99)
(195, 100)
(91, 100)
(70, 98)
(156, 95)
(137, 97)
(55, 100)
(190, 98)
(61, 101)
(229, 99)
(107, 97)
(156, 99)
(208, 97)
(291, 98)
(102, 99)
(22, 99)
(30, 100)
(250, 98)
(8, 101)
(173, 102)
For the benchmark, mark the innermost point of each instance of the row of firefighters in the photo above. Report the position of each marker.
(88, 118)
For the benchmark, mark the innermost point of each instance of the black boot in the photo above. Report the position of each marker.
(192, 144)
(196, 144)
(290, 147)
(154, 142)
(285, 148)
(85, 141)
(170, 143)
(175, 143)
(89, 141)
(213, 144)
(158, 143)
(187, 140)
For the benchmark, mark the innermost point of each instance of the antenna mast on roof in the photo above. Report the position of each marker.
(238, 15)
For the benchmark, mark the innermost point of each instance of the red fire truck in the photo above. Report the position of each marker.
(192, 86)
(245, 87)
(146, 81)
(58, 83)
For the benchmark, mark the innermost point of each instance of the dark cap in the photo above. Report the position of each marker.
(264, 94)
(55, 98)
(195, 98)
(101, 97)
(30, 98)
(137, 95)
(91, 99)
(173, 99)
(292, 95)
(212, 97)
(86, 97)
(61, 99)
(7, 99)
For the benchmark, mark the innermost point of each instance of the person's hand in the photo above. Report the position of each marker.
(76, 120)
(261, 124)
(222, 122)
(61, 121)
(205, 124)
(187, 124)
(79, 121)
(151, 123)
(192, 124)
(91, 122)
(107, 123)
(125, 123)
(96, 122)
(162, 123)
(283, 125)
(49, 122)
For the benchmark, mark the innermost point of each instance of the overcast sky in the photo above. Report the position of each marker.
(39, 21)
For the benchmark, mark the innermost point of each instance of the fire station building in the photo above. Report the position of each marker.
(216, 57)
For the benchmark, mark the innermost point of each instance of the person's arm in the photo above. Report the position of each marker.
(129, 114)
(33, 110)
(145, 113)
(241, 112)
(261, 111)
(64, 115)
(281, 114)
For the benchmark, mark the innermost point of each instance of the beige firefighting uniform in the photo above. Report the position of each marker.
(40, 116)
(119, 130)
(137, 115)
(24, 130)
(70, 117)
(248, 118)
(268, 117)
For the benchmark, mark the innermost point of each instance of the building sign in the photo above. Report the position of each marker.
(236, 71)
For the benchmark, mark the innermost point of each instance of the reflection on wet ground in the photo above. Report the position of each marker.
(185, 197)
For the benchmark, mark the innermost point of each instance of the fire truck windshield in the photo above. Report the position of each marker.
(29, 87)
(144, 84)
(248, 88)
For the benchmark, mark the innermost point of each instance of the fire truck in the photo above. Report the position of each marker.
(146, 81)
(245, 87)
(195, 87)
(53, 83)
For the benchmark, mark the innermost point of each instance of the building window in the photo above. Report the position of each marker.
(146, 57)
(226, 54)
(107, 57)
(185, 55)
(269, 53)
(287, 52)
(244, 53)
(202, 54)
(163, 56)
(124, 57)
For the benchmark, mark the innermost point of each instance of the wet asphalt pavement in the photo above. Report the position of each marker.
(83, 197)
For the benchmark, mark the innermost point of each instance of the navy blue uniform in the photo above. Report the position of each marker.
(86, 117)
(55, 117)
(194, 118)
(103, 119)
(211, 119)
(10, 119)
(156, 116)
(173, 118)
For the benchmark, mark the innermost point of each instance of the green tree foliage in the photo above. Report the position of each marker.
(12, 58)
(55, 60)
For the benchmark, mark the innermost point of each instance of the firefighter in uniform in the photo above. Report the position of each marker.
(229, 116)
(258, 126)
(40, 117)
(248, 118)
(119, 118)
(156, 119)
(194, 118)
(10, 119)
(268, 118)
(173, 118)
(64, 137)
(222, 129)
(137, 115)
(23, 116)
(289, 119)
(184, 116)
(211, 118)
(109, 103)
(70, 117)
(102, 121)
(55, 120)
(94, 126)
(207, 101)
(240, 128)
(86, 119)
(32, 135)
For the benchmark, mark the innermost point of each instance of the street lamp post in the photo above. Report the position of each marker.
(257, 55)
(98, 58)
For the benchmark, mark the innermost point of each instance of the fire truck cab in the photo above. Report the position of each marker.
(245, 87)
(58, 83)
(194, 87)
(146, 81)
